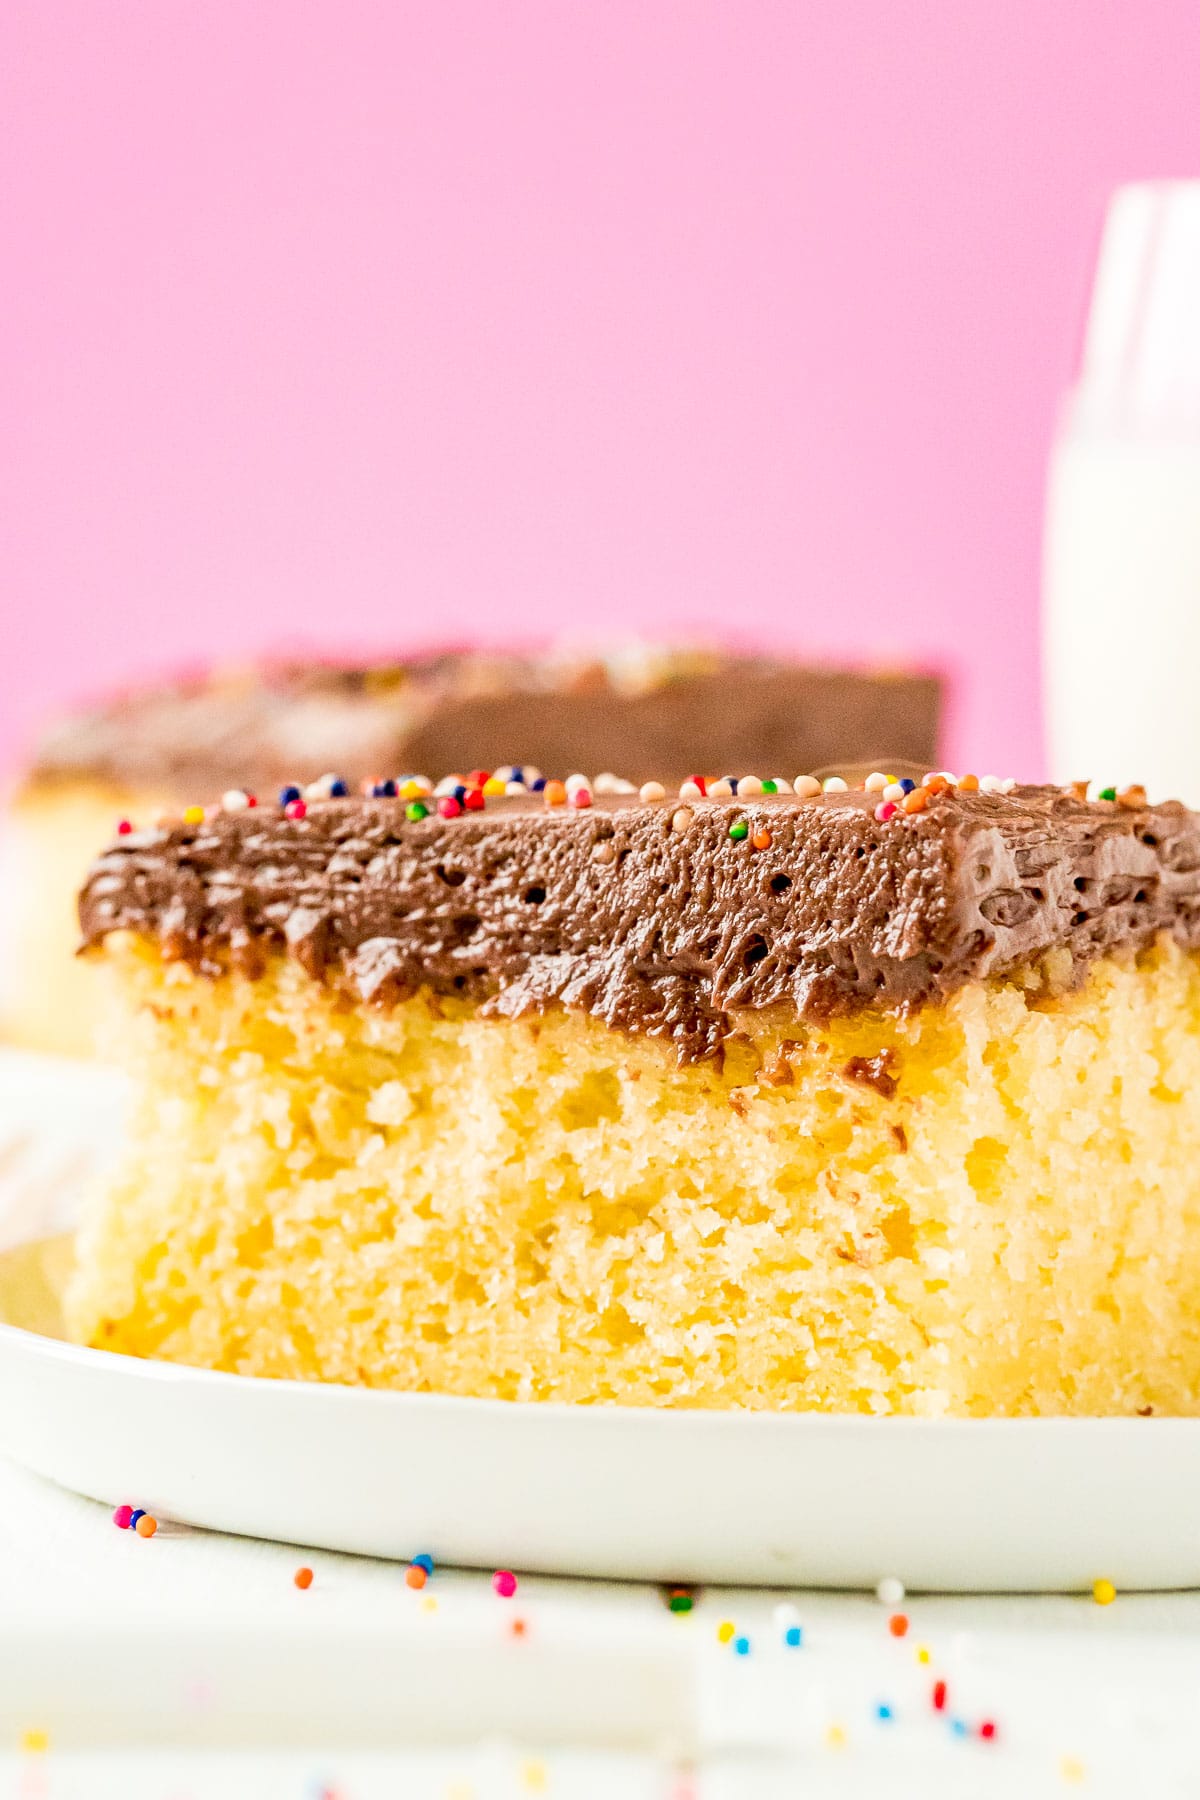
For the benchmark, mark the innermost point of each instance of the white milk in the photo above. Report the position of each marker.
(1122, 546)
(1122, 614)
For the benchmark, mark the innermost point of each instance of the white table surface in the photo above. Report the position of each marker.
(189, 1665)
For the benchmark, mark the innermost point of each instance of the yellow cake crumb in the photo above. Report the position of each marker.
(989, 1208)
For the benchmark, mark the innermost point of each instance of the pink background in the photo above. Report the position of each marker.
(378, 324)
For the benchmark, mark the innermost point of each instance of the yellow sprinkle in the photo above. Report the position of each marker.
(533, 1777)
(429, 1604)
(492, 786)
(1103, 1593)
(460, 1790)
(922, 1653)
(725, 1631)
(835, 1737)
(193, 815)
(411, 790)
(35, 1742)
(1071, 1769)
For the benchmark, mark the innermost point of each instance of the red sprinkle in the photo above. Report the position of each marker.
(475, 801)
(939, 1696)
(124, 827)
(122, 1517)
(581, 797)
(477, 777)
(987, 1729)
(898, 1625)
(449, 807)
(296, 809)
(700, 782)
(505, 1583)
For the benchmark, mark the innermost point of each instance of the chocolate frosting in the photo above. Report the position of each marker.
(645, 711)
(610, 910)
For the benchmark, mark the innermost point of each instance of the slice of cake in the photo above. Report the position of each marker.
(880, 1100)
(644, 709)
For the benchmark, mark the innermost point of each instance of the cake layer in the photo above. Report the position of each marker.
(665, 917)
(986, 1207)
(647, 709)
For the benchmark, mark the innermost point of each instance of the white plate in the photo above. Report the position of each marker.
(784, 1499)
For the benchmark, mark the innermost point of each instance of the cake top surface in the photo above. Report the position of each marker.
(668, 913)
(641, 703)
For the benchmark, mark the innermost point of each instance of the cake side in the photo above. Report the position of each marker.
(981, 1208)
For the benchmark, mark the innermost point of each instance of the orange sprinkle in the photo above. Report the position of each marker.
(517, 1628)
(415, 1576)
(968, 784)
(915, 802)
(303, 1578)
(898, 1625)
(761, 839)
(554, 794)
(937, 785)
(146, 1526)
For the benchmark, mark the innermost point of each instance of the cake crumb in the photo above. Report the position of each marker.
(874, 1072)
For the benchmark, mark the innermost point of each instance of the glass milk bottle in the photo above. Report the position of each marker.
(1122, 549)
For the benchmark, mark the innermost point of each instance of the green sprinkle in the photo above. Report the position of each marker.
(416, 809)
(1108, 794)
(740, 830)
(680, 1603)
(770, 787)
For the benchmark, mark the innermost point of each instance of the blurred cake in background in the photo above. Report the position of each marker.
(640, 709)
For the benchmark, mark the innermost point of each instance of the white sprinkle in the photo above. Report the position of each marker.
(893, 791)
(515, 787)
(421, 781)
(689, 791)
(605, 784)
(529, 774)
(651, 790)
(682, 820)
(506, 772)
(720, 790)
(890, 1591)
(748, 786)
(835, 785)
(782, 786)
(625, 787)
(604, 852)
(875, 783)
(576, 781)
(807, 786)
(785, 1616)
(235, 800)
(990, 784)
(446, 786)
(1008, 785)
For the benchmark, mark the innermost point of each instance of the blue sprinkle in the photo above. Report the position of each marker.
(741, 1646)
(793, 1637)
(424, 1561)
(288, 794)
(959, 1727)
(140, 1513)
(384, 790)
(536, 787)
(460, 793)
(338, 789)
(907, 784)
(883, 1712)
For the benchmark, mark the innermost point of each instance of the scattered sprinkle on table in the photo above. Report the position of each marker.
(505, 1583)
(1103, 1593)
(303, 1578)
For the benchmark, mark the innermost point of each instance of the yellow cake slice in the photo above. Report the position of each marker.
(871, 1100)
